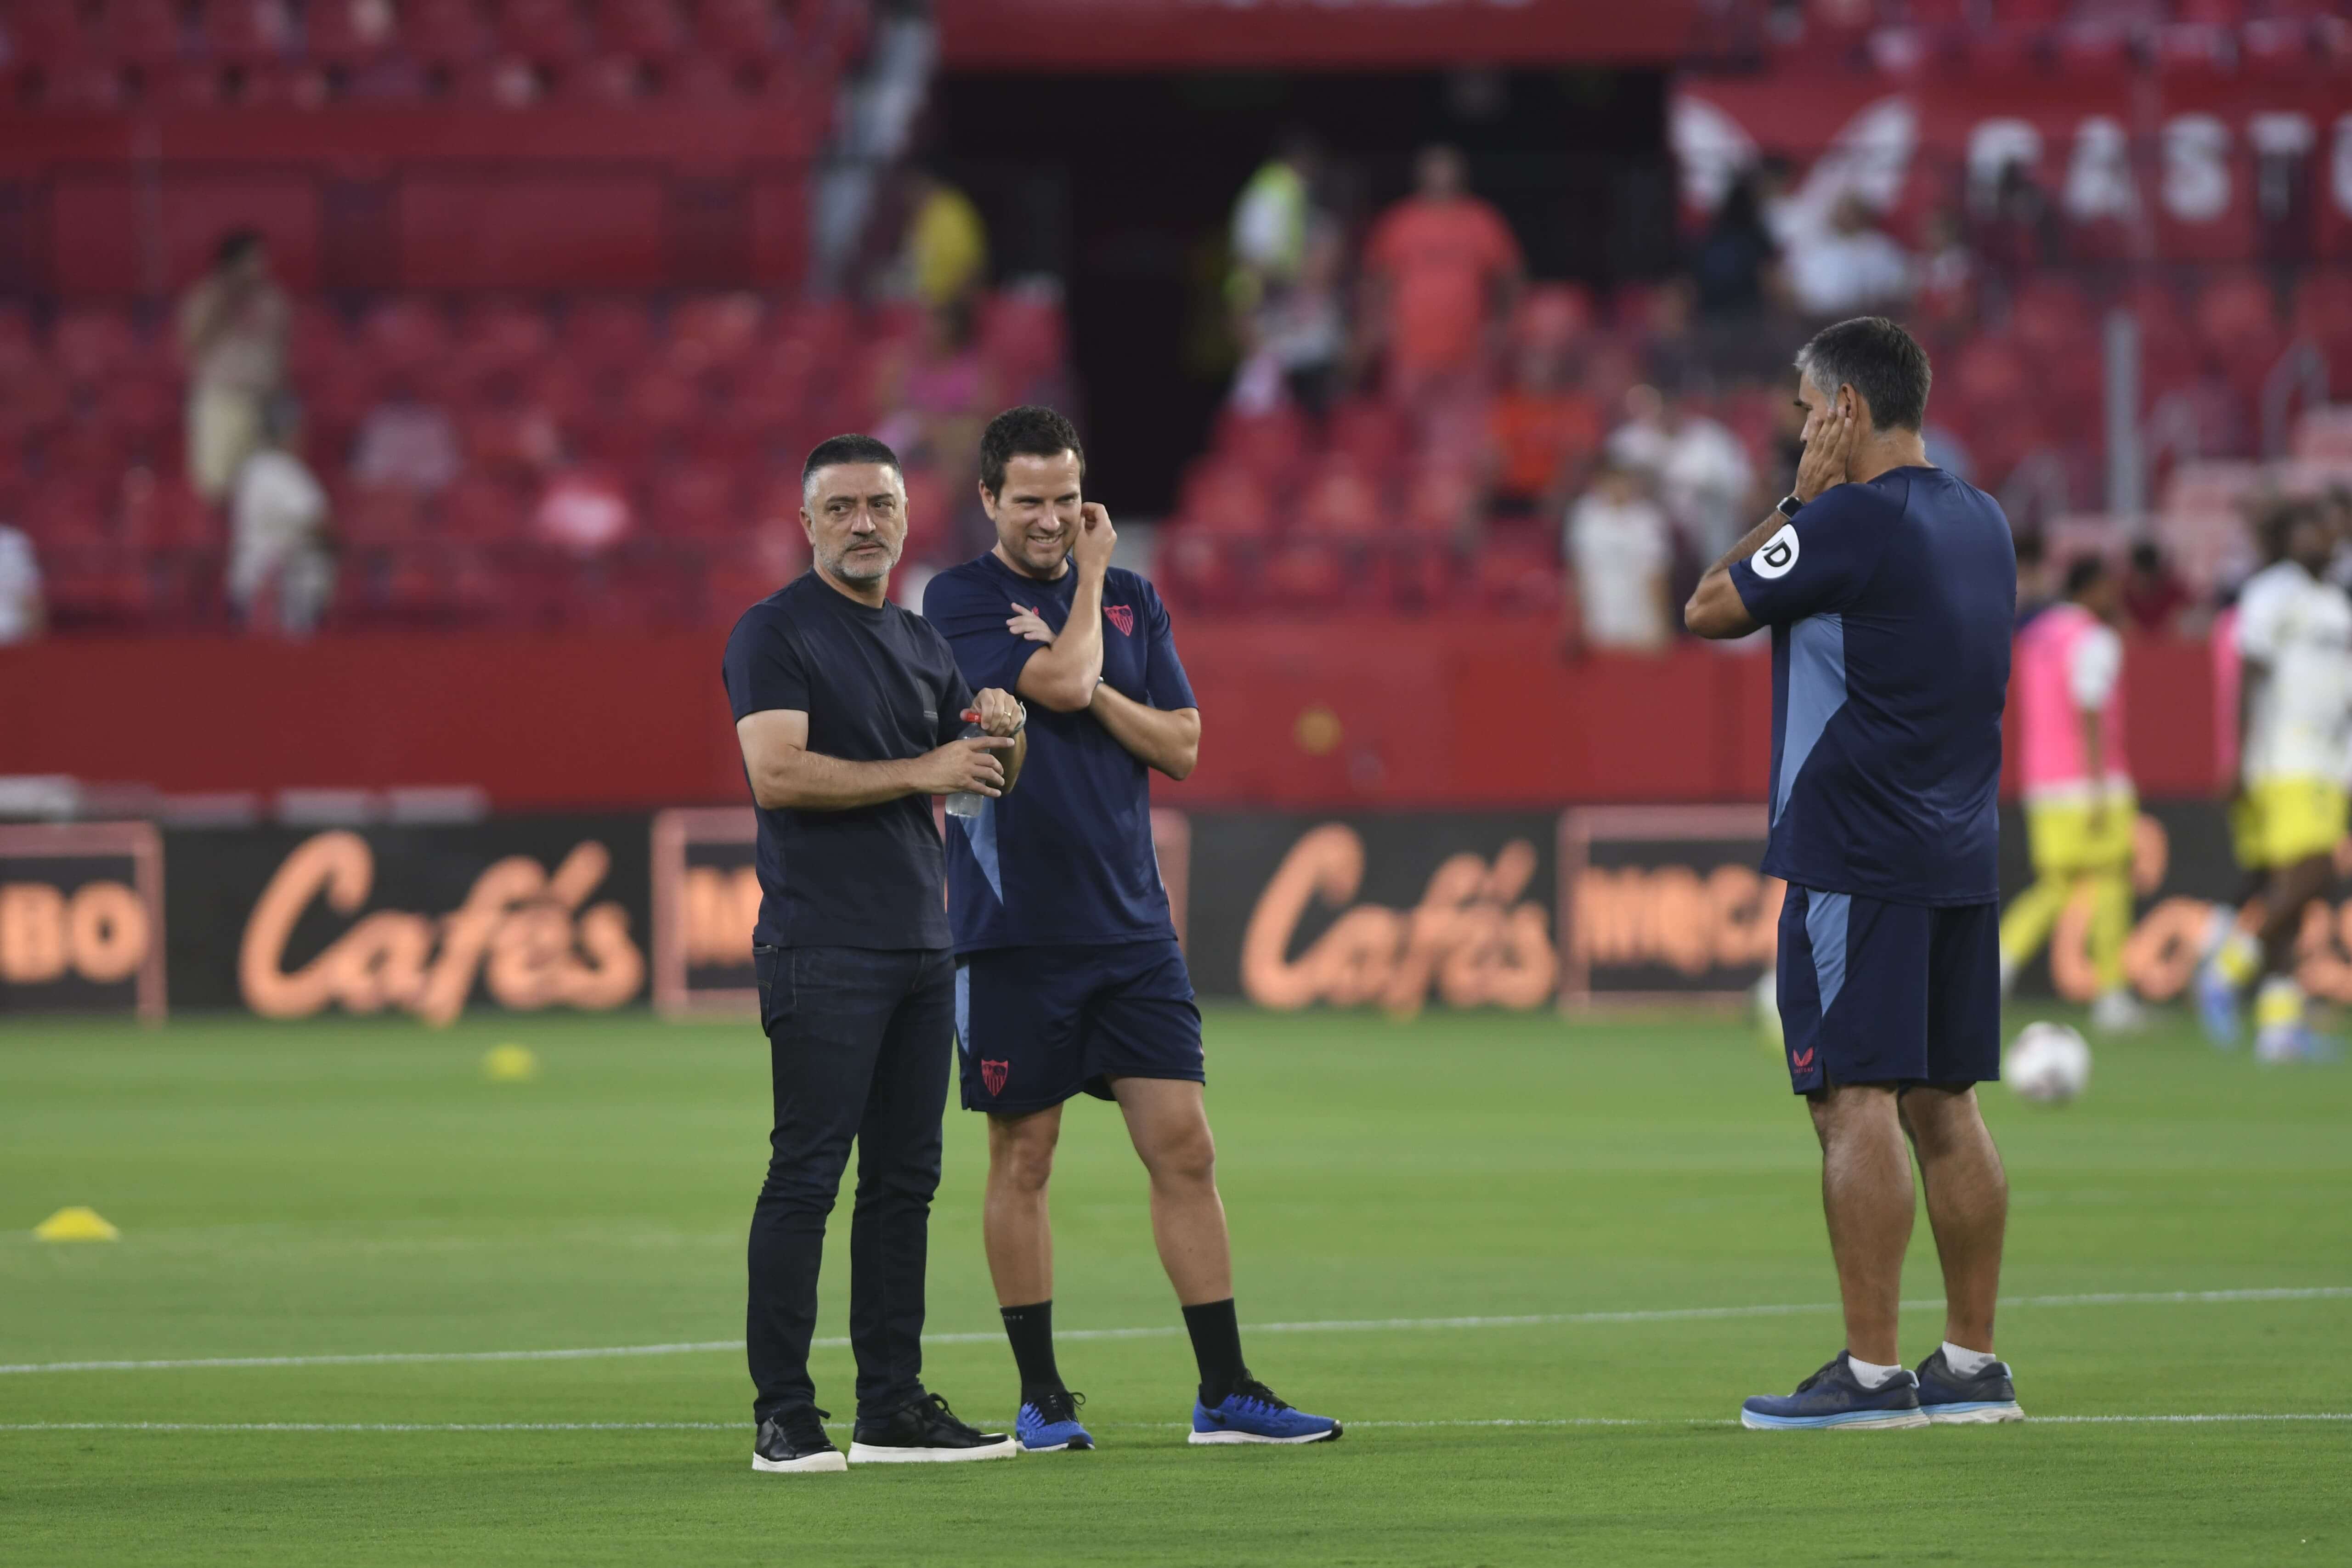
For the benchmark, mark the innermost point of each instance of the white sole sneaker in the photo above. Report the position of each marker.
(1210, 1437)
(1892, 1420)
(1978, 1415)
(869, 1454)
(806, 1464)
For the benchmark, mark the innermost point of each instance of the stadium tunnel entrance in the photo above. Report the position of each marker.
(1122, 187)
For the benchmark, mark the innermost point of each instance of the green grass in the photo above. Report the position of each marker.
(358, 1187)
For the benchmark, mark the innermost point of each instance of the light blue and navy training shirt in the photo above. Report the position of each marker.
(1066, 858)
(1891, 605)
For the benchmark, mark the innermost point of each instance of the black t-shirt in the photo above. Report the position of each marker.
(877, 686)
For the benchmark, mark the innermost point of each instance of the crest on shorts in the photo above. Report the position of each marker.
(993, 1074)
(1123, 617)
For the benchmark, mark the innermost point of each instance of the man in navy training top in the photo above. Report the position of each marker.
(1069, 978)
(850, 712)
(1890, 587)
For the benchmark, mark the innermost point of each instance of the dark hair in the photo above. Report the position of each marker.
(2030, 547)
(836, 450)
(2083, 572)
(236, 246)
(1028, 431)
(1884, 364)
(2147, 556)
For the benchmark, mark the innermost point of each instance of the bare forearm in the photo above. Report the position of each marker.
(2094, 753)
(811, 781)
(1166, 739)
(1716, 609)
(1063, 674)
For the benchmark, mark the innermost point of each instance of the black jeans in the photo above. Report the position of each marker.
(859, 1040)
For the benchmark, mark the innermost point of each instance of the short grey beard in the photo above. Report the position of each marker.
(839, 567)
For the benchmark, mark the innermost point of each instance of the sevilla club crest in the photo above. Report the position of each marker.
(993, 1074)
(1123, 617)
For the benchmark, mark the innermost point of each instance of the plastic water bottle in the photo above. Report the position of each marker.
(967, 803)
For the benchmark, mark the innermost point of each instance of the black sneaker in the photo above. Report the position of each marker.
(924, 1432)
(796, 1442)
(1951, 1400)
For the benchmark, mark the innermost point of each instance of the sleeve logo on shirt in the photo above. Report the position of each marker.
(1779, 554)
(1123, 617)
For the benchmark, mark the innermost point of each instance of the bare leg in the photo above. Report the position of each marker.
(1014, 1226)
(2291, 889)
(1866, 1193)
(1168, 1125)
(1968, 1205)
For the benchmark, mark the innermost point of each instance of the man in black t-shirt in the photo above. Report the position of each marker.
(850, 711)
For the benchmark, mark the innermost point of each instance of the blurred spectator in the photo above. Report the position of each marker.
(1852, 268)
(1947, 295)
(1734, 257)
(407, 445)
(1699, 469)
(281, 564)
(23, 614)
(1618, 556)
(946, 244)
(233, 327)
(1541, 431)
(1296, 339)
(581, 513)
(939, 394)
(2033, 585)
(2153, 595)
(1442, 268)
(2018, 227)
(1273, 218)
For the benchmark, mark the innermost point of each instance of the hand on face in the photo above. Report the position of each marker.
(1096, 538)
(1831, 437)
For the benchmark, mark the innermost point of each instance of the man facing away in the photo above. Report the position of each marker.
(2293, 634)
(1069, 979)
(1890, 588)
(2081, 810)
(850, 712)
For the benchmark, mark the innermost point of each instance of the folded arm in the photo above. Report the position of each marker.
(1168, 739)
(786, 775)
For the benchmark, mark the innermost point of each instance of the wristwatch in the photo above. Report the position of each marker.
(1789, 505)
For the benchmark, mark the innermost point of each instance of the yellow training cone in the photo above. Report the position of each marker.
(510, 1064)
(76, 1223)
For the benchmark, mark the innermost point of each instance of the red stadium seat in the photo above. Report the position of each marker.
(1227, 498)
(710, 79)
(743, 29)
(1272, 443)
(697, 501)
(664, 402)
(1553, 315)
(90, 344)
(609, 334)
(247, 32)
(443, 32)
(1344, 499)
(46, 34)
(144, 31)
(550, 32)
(502, 338)
(2237, 319)
(604, 82)
(1373, 435)
(1309, 574)
(349, 32)
(1991, 378)
(2323, 313)
(715, 331)
(650, 30)
(406, 336)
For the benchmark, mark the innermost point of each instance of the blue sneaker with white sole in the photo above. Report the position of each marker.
(1253, 1414)
(1951, 1399)
(2217, 1006)
(1834, 1399)
(1049, 1424)
(2297, 1042)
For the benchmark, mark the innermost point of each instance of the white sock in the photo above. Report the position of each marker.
(1968, 1363)
(1870, 1374)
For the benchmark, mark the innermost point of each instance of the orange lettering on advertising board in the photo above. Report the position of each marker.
(722, 909)
(521, 930)
(1669, 915)
(1470, 938)
(101, 933)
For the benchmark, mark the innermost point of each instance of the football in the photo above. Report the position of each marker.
(2048, 1063)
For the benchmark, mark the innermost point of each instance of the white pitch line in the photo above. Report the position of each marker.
(1343, 1325)
(1550, 1422)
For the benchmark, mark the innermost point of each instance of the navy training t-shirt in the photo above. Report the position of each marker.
(1066, 857)
(1891, 605)
(877, 686)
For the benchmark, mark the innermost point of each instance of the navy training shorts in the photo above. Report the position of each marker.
(1879, 992)
(1035, 1026)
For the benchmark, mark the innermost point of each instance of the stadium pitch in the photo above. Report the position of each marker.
(406, 1314)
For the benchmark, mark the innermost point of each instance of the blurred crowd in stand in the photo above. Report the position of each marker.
(1417, 426)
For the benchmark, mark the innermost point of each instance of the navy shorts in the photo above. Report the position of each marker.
(1879, 992)
(1037, 1024)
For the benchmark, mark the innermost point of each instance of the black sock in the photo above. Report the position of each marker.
(1031, 1330)
(1217, 1347)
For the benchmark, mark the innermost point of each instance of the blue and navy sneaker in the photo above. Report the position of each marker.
(1049, 1424)
(2217, 1006)
(1251, 1413)
(1951, 1400)
(1834, 1398)
(2299, 1043)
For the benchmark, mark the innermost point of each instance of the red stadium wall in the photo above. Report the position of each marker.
(1326, 716)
